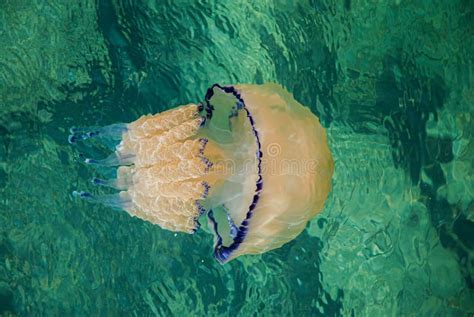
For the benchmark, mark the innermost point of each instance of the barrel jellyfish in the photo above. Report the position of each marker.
(249, 158)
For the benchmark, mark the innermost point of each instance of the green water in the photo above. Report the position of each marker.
(392, 81)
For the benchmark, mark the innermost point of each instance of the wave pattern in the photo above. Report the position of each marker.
(391, 81)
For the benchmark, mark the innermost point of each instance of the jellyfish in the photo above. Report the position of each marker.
(250, 159)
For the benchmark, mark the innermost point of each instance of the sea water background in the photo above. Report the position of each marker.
(392, 81)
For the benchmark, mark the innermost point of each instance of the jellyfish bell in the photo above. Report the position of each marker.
(250, 157)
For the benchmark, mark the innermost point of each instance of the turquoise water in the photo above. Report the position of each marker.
(392, 81)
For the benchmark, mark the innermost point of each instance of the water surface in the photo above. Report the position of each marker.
(392, 81)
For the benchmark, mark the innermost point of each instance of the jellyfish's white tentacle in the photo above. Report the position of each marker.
(121, 200)
(112, 183)
(113, 131)
(112, 160)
